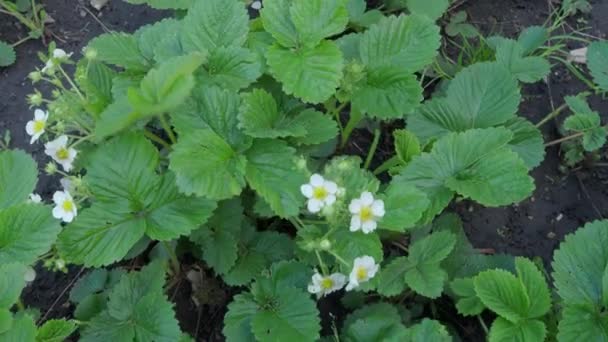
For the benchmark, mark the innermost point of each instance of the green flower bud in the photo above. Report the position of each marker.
(90, 54)
(325, 245)
(35, 99)
(50, 168)
(35, 76)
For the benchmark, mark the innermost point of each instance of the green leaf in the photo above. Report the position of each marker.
(272, 171)
(291, 316)
(261, 117)
(594, 139)
(7, 54)
(318, 19)
(502, 293)
(579, 263)
(18, 177)
(232, 68)
(11, 283)
(503, 331)
(391, 280)
(26, 232)
(597, 61)
(433, 9)
(320, 128)
(347, 173)
(276, 18)
(91, 283)
(237, 322)
(23, 330)
(527, 141)
(120, 49)
(407, 145)
(215, 23)
(312, 73)
(388, 92)
(350, 245)
(404, 206)
(428, 330)
(386, 311)
(578, 104)
(526, 69)
(582, 323)
(407, 42)
(150, 36)
(532, 38)
(535, 285)
(90, 307)
(167, 86)
(349, 45)
(163, 4)
(55, 330)
(468, 304)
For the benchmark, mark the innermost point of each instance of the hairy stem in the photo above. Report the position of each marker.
(372, 149)
(355, 117)
(564, 139)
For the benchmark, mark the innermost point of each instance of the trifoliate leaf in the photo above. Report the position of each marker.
(22, 330)
(276, 18)
(578, 104)
(150, 36)
(582, 323)
(527, 141)
(408, 42)
(120, 49)
(428, 330)
(318, 19)
(55, 330)
(165, 87)
(459, 27)
(26, 232)
(11, 283)
(433, 9)
(578, 266)
(309, 73)
(18, 177)
(535, 284)
(386, 311)
(7, 54)
(164, 4)
(526, 69)
(272, 171)
(502, 293)
(211, 24)
(388, 92)
(532, 38)
(597, 61)
(290, 314)
(237, 322)
(231, 67)
(404, 205)
(589, 123)
(523, 331)
(468, 304)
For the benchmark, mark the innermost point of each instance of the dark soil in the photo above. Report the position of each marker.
(561, 203)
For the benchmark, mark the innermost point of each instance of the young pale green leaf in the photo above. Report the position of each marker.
(582, 323)
(426, 280)
(407, 42)
(407, 145)
(18, 177)
(503, 330)
(532, 38)
(467, 304)
(55, 330)
(26, 232)
(11, 283)
(276, 18)
(23, 330)
(292, 315)
(167, 86)
(150, 36)
(594, 139)
(164, 4)
(536, 287)
(526, 69)
(260, 117)
(272, 171)
(231, 67)
(388, 92)
(432, 249)
(318, 19)
(597, 61)
(428, 330)
(527, 141)
(578, 104)
(211, 24)
(237, 322)
(502, 293)
(310, 73)
(7, 54)
(120, 49)
(404, 206)
(579, 263)
(433, 9)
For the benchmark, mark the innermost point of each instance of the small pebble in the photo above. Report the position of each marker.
(559, 217)
(551, 235)
(256, 5)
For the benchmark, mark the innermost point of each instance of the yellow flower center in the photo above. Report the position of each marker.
(366, 214)
(319, 193)
(39, 126)
(327, 283)
(63, 153)
(68, 205)
(361, 273)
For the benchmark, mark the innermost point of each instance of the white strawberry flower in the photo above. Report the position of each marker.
(364, 269)
(320, 193)
(324, 285)
(58, 56)
(35, 128)
(35, 198)
(256, 5)
(60, 152)
(366, 212)
(65, 208)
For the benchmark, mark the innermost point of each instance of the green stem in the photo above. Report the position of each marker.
(564, 139)
(387, 165)
(18, 16)
(167, 128)
(156, 139)
(372, 149)
(339, 258)
(355, 117)
(21, 41)
(336, 113)
(72, 84)
(81, 140)
(483, 325)
(173, 256)
(324, 268)
(558, 111)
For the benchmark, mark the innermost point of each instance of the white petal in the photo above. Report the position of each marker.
(72, 153)
(62, 140)
(35, 137)
(355, 206)
(372, 271)
(256, 5)
(339, 280)
(366, 261)
(29, 128)
(331, 187)
(58, 212)
(59, 53)
(66, 183)
(368, 226)
(66, 164)
(68, 217)
(40, 115)
(355, 223)
(306, 190)
(59, 197)
(35, 198)
(330, 199)
(351, 286)
(378, 208)
(312, 288)
(367, 198)
(316, 180)
(314, 205)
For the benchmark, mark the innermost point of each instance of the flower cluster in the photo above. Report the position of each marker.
(365, 212)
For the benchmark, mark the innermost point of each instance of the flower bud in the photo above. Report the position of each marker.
(35, 99)
(90, 54)
(35, 76)
(325, 245)
(50, 168)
